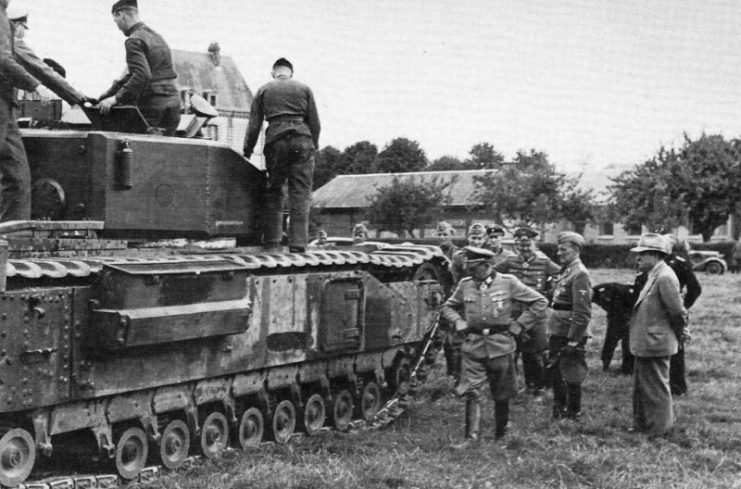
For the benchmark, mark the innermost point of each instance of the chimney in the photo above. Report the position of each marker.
(214, 50)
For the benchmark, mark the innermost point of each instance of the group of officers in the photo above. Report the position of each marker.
(503, 305)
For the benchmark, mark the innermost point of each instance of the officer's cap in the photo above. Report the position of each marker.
(525, 232)
(475, 255)
(444, 227)
(122, 4)
(653, 242)
(360, 229)
(494, 229)
(570, 237)
(18, 15)
(477, 229)
(283, 62)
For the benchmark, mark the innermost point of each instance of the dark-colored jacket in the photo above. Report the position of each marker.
(12, 74)
(488, 305)
(149, 66)
(688, 283)
(45, 74)
(658, 318)
(572, 303)
(289, 107)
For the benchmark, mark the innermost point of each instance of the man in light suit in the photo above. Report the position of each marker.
(657, 326)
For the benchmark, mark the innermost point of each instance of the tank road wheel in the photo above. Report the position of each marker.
(370, 400)
(314, 414)
(174, 444)
(17, 456)
(342, 409)
(251, 428)
(131, 452)
(401, 375)
(214, 435)
(284, 422)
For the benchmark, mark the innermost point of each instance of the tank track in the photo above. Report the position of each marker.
(390, 263)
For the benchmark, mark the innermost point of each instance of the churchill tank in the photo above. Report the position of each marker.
(141, 324)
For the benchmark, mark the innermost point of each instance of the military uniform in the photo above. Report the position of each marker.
(290, 143)
(691, 289)
(535, 272)
(15, 183)
(150, 80)
(568, 321)
(484, 309)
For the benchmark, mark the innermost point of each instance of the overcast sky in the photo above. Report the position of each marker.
(592, 83)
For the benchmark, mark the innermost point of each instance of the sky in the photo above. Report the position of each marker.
(599, 85)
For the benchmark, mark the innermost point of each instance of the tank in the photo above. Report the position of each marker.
(140, 324)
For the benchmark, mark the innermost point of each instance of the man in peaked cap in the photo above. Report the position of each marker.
(291, 141)
(657, 327)
(495, 234)
(489, 328)
(149, 82)
(568, 326)
(536, 272)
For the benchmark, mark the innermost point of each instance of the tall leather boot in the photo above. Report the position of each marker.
(573, 403)
(501, 418)
(473, 424)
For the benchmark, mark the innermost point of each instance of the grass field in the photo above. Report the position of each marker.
(703, 451)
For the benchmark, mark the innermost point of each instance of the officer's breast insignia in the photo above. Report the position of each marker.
(497, 301)
(525, 265)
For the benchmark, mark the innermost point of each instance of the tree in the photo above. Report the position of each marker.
(400, 156)
(328, 165)
(359, 158)
(405, 205)
(484, 157)
(530, 190)
(446, 163)
(696, 185)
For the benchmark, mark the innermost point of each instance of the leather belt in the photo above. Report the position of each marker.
(493, 330)
(561, 307)
(285, 118)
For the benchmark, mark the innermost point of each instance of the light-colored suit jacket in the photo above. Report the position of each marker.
(659, 317)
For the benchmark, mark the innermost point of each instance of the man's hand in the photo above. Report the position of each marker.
(106, 105)
(88, 101)
(460, 325)
(43, 93)
(515, 328)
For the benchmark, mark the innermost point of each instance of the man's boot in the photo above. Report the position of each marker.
(501, 418)
(573, 406)
(473, 424)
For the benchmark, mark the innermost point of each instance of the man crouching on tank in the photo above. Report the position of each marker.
(481, 307)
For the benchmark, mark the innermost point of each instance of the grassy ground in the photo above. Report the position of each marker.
(704, 450)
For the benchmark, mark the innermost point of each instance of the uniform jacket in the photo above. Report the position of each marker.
(12, 74)
(658, 317)
(534, 272)
(488, 304)
(289, 107)
(572, 303)
(149, 67)
(689, 286)
(43, 72)
(458, 263)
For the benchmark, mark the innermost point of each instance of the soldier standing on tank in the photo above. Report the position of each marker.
(15, 182)
(290, 143)
(535, 272)
(495, 234)
(568, 326)
(481, 308)
(149, 82)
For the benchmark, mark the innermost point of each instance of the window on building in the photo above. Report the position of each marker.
(184, 98)
(634, 229)
(607, 229)
(210, 97)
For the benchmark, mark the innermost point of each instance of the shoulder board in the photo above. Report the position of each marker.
(680, 259)
(465, 279)
(506, 276)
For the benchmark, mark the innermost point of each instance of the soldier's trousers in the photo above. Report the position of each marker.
(15, 181)
(161, 110)
(652, 399)
(617, 332)
(290, 158)
(565, 377)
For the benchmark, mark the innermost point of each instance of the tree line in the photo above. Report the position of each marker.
(697, 185)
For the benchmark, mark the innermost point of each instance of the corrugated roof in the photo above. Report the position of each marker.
(198, 72)
(355, 191)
